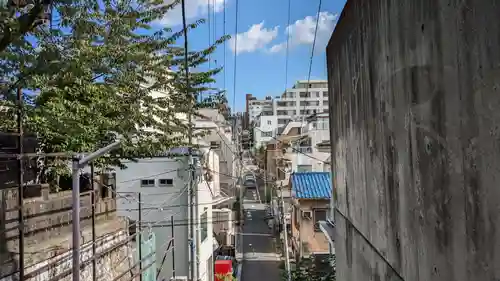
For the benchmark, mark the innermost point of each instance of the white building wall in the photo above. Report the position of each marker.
(158, 204)
(293, 110)
(266, 124)
(206, 191)
(318, 131)
(256, 107)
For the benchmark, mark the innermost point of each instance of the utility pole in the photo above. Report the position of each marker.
(285, 230)
(265, 176)
(193, 196)
(241, 216)
(93, 202)
(139, 234)
(20, 191)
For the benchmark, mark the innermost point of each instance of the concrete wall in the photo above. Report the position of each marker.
(303, 229)
(415, 108)
(48, 235)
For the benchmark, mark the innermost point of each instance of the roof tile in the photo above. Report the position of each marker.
(311, 185)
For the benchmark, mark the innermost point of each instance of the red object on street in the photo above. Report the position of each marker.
(222, 269)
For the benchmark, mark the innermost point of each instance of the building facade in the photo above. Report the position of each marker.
(257, 107)
(298, 102)
(264, 129)
(163, 183)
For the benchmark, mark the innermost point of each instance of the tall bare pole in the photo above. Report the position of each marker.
(93, 201)
(285, 233)
(193, 214)
(139, 234)
(20, 190)
(78, 163)
(172, 229)
(75, 195)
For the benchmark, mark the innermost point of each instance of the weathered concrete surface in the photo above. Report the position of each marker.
(51, 259)
(415, 118)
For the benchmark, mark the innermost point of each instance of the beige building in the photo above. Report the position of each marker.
(311, 192)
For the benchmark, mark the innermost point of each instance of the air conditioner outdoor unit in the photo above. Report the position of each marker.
(307, 215)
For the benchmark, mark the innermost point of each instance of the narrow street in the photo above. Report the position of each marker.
(260, 260)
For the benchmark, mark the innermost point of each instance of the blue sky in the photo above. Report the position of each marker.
(262, 32)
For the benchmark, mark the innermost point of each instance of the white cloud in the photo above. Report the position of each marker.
(256, 37)
(302, 31)
(194, 9)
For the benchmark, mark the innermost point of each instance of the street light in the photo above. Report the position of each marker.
(78, 163)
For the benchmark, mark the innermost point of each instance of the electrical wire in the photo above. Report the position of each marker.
(150, 226)
(115, 265)
(298, 151)
(235, 55)
(150, 176)
(287, 44)
(224, 34)
(118, 194)
(311, 58)
(164, 204)
(209, 35)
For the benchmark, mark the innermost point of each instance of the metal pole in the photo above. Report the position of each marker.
(242, 221)
(196, 227)
(265, 177)
(287, 259)
(172, 228)
(94, 261)
(20, 190)
(191, 200)
(76, 219)
(139, 234)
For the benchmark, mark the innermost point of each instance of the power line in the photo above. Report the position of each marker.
(311, 57)
(235, 54)
(224, 34)
(209, 35)
(150, 176)
(298, 151)
(287, 45)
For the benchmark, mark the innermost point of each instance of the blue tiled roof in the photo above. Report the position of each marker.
(311, 185)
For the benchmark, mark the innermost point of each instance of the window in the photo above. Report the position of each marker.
(166, 182)
(214, 144)
(147, 183)
(304, 168)
(204, 226)
(267, 134)
(269, 122)
(319, 215)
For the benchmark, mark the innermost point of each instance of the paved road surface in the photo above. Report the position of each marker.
(260, 260)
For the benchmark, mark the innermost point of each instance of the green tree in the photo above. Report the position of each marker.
(91, 75)
(306, 270)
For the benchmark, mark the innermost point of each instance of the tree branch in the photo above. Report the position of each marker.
(25, 23)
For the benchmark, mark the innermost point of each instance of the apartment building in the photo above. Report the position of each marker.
(299, 101)
(257, 107)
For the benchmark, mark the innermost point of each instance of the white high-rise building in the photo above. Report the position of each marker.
(298, 102)
(256, 107)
